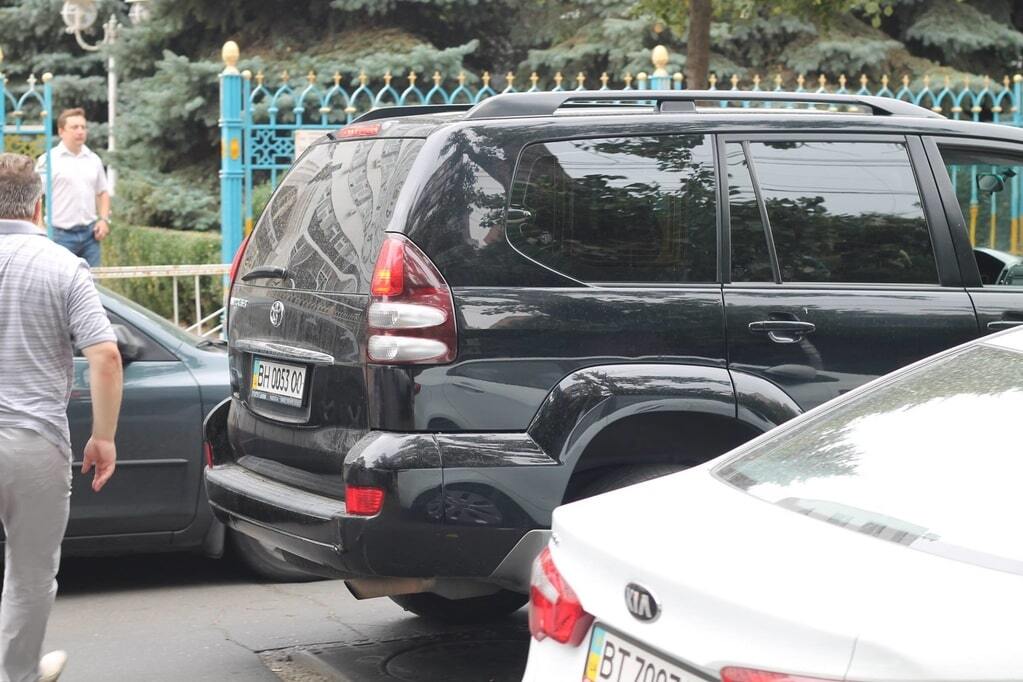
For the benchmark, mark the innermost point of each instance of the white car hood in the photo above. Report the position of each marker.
(744, 582)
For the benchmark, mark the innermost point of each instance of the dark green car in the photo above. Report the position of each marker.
(155, 502)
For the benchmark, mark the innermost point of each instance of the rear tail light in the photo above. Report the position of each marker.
(238, 255)
(363, 500)
(554, 609)
(411, 316)
(207, 453)
(750, 675)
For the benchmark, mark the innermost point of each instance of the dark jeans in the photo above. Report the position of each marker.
(80, 241)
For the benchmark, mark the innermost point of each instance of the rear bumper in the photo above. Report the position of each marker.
(436, 521)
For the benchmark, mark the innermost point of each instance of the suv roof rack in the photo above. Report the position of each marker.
(413, 110)
(678, 101)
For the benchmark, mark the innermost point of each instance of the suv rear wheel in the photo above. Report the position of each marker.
(259, 559)
(472, 610)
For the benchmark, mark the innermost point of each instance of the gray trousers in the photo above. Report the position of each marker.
(35, 491)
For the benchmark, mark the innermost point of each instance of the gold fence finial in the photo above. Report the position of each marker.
(659, 58)
(285, 76)
(580, 79)
(230, 53)
(259, 78)
(864, 80)
(387, 77)
(486, 79)
(510, 78)
(800, 80)
(884, 80)
(337, 79)
(842, 81)
(734, 80)
(47, 77)
(1, 55)
(756, 80)
(777, 80)
(1005, 82)
(311, 77)
(927, 80)
(1017, 78)
(641, 76)
(678, 77)
(628, 79)
(32, 80)
(604, 78)
(534, 79)
(436, 78)
(712, 79)
(461, 78)
(558, 78)
(247, 75)
(905, 80)
(363, 78)
(987, 82)
(822, 80)
(412, 79)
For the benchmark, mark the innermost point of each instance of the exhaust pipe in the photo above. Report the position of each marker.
(369, 588)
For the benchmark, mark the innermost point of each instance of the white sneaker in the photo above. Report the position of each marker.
(52, 665)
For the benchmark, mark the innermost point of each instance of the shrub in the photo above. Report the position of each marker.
(132, 245)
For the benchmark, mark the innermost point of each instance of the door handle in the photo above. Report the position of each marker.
(783, 331)
(1003, 324)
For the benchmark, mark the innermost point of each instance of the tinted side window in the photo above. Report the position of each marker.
(988, 185)
(325, 222)
(618, 209)
(751, 260)
(845, 212)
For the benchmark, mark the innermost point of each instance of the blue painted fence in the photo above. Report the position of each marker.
(27, 116)
(259, 122)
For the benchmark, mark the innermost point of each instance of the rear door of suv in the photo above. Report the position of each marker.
(841, 264)
(297, 311)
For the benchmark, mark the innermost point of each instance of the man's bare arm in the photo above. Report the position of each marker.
(102, 229)
(105, 381)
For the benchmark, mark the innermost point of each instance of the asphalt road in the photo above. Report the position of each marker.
(178, 617)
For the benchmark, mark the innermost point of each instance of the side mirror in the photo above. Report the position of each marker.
(990, 183)
(128, 343)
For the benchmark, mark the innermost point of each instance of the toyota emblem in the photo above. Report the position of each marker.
(276, 313)
(641, 603)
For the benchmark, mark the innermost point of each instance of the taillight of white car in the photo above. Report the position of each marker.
(554, 608)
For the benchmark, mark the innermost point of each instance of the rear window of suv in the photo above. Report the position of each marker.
(326, 221)
(618, 210)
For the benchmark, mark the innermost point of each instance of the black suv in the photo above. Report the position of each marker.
(450, 320)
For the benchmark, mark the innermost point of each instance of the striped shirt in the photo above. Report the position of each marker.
(48, 305)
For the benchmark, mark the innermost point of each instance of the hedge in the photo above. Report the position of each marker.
(133, 245)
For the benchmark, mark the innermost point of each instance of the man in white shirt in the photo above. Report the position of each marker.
(81, 198)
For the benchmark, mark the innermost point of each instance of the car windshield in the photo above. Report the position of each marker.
(171, 328)
(931, 460)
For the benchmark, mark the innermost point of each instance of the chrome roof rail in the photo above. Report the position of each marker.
(514, 105)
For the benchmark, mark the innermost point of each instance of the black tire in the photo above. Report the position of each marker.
(261, 561)
(621, 477)
(460, 611)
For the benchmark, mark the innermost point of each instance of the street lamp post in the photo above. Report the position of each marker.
(79, 16)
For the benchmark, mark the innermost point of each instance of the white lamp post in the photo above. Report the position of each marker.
(79, 16)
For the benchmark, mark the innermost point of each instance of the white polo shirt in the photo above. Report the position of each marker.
(77, 179)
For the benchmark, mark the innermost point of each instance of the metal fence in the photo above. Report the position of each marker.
(25, 122)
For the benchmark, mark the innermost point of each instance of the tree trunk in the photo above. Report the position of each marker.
(698, 45)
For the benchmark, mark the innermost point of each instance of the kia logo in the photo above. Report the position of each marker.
(641, 603)
(276, 313)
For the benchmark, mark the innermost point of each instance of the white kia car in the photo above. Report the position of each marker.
(876, 538)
